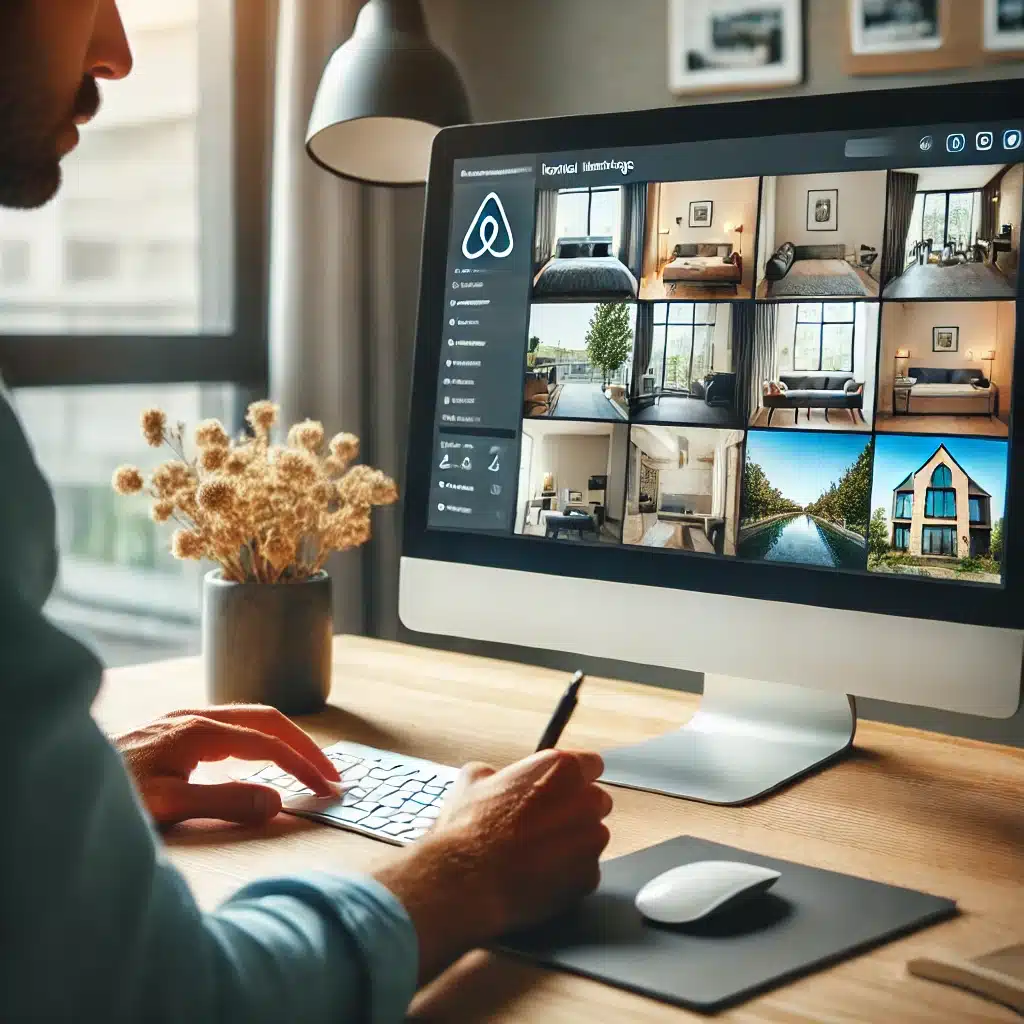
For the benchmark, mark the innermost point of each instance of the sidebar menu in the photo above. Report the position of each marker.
(480, 371)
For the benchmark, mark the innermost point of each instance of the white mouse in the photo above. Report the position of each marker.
(692, 891)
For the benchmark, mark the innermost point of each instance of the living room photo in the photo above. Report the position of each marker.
(683, 490)
(684, 363)
(953, 233)
(947, 367)
(578, 359)
(937, 507)
(821, 235)
(813, 365)
(806, 498)
(572, 481)
(699, 239)
(588, 243)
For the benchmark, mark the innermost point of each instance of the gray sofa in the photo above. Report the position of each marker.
(818, 391)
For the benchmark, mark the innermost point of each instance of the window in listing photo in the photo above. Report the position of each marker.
(578, 360)
(937, 508)
(588, 245)
(953, 232)
(806, 498)
(572, 480)
(821, 235)
(699, 239)
(683, 491)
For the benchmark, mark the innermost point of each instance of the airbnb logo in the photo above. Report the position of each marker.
(490, 231)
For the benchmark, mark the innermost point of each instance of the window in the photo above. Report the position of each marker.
(904, 505)
(952, 218)
(939, 540)
(589, 211)
(942, 477)
(823, 341)
(149, 264)
(684, 344)
(15, 262)
(901, 538)
(939, 503)
(979, 510)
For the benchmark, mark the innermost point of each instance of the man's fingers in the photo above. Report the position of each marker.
(273, 723)
(214, 741)
(171, 801)
(591, 764)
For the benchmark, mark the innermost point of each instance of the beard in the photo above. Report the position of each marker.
(30, 171)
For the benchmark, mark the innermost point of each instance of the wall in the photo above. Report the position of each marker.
(766, 238)
(573, 460)
(735, 202)
(561, 57)
(1002, 366)
(961, 485)
(909, 325)
(723, 338)
(861, 210)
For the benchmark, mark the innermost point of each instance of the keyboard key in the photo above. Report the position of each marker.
(402, 816)
(273, 772)
(395, 801)
(430, 812)
(422, 822)
(422, 799)
(366, 805)
(415, 834)
(403, 770)
(358, 794)
(425, 775)
(395, 828)
(433, 790)
(413, 806)
(381, 791)
(412, 786)
(355, 773)
(379, 773)
(352, 815)
(374, 822)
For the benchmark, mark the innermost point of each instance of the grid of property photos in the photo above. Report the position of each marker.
(808, 369)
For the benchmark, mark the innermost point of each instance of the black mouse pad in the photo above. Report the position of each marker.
(809, 919)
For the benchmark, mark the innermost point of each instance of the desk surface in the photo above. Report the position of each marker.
(908, 808)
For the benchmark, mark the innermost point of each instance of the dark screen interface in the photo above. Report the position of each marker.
(796, 349)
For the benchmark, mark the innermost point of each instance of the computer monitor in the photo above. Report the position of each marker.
(783, 336)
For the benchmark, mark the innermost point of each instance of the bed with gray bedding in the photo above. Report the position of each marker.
(584, 268)
(815, 271)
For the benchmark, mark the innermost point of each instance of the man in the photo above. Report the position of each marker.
(94, 923)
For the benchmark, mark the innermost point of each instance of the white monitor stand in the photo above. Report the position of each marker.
(780, 678)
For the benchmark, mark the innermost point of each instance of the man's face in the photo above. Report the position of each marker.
(51, 54)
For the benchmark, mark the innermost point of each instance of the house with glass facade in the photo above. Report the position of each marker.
(940, 512)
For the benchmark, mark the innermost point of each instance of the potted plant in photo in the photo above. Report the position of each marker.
(269, 516)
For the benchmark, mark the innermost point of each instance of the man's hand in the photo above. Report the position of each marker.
(163, 756)
(510, 849)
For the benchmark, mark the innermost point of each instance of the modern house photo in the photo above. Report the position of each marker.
(684, 363)
(588, 245)
(806, 498)
(938, 506)
(699, 239)
(813, 365)
(953, 233)
(821, 235)
(578, 361)
(572, 481)
(683, 490)
(947, 367)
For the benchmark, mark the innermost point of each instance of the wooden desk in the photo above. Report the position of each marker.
(908, 808)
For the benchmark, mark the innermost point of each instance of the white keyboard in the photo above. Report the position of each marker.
(396, 798)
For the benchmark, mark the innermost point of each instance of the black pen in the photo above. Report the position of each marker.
(560, 719)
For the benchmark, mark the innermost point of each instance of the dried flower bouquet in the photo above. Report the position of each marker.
(266, 513)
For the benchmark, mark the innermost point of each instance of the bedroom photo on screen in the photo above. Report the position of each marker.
(588, 245)
(953, 232)
(578, 360)
(1004, 25)
(821, 235)
(894, 26)
(699, 239)
(947, 367)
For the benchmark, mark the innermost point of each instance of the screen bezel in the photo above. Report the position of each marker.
(977, 604)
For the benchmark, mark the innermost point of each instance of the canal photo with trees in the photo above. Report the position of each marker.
(806, 499)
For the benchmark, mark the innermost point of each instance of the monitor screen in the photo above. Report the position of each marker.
(789, 351)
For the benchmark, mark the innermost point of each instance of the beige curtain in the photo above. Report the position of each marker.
(344, 269)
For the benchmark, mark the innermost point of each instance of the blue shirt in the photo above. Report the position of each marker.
(95, 923)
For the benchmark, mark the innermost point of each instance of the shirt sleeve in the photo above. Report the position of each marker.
(96, 923)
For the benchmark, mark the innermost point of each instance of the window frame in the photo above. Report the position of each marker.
(241, 356)
(941, 496)
(589, 191)
(927, 531)
(693, 324)
(901, 499)
(821, 323)
(901, 531)
(977, 195)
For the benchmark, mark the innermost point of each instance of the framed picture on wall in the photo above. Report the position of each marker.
(894, 26)
(1004, 25)
(735, 44)
(702, 213)
(945, 339)
(823, 209)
